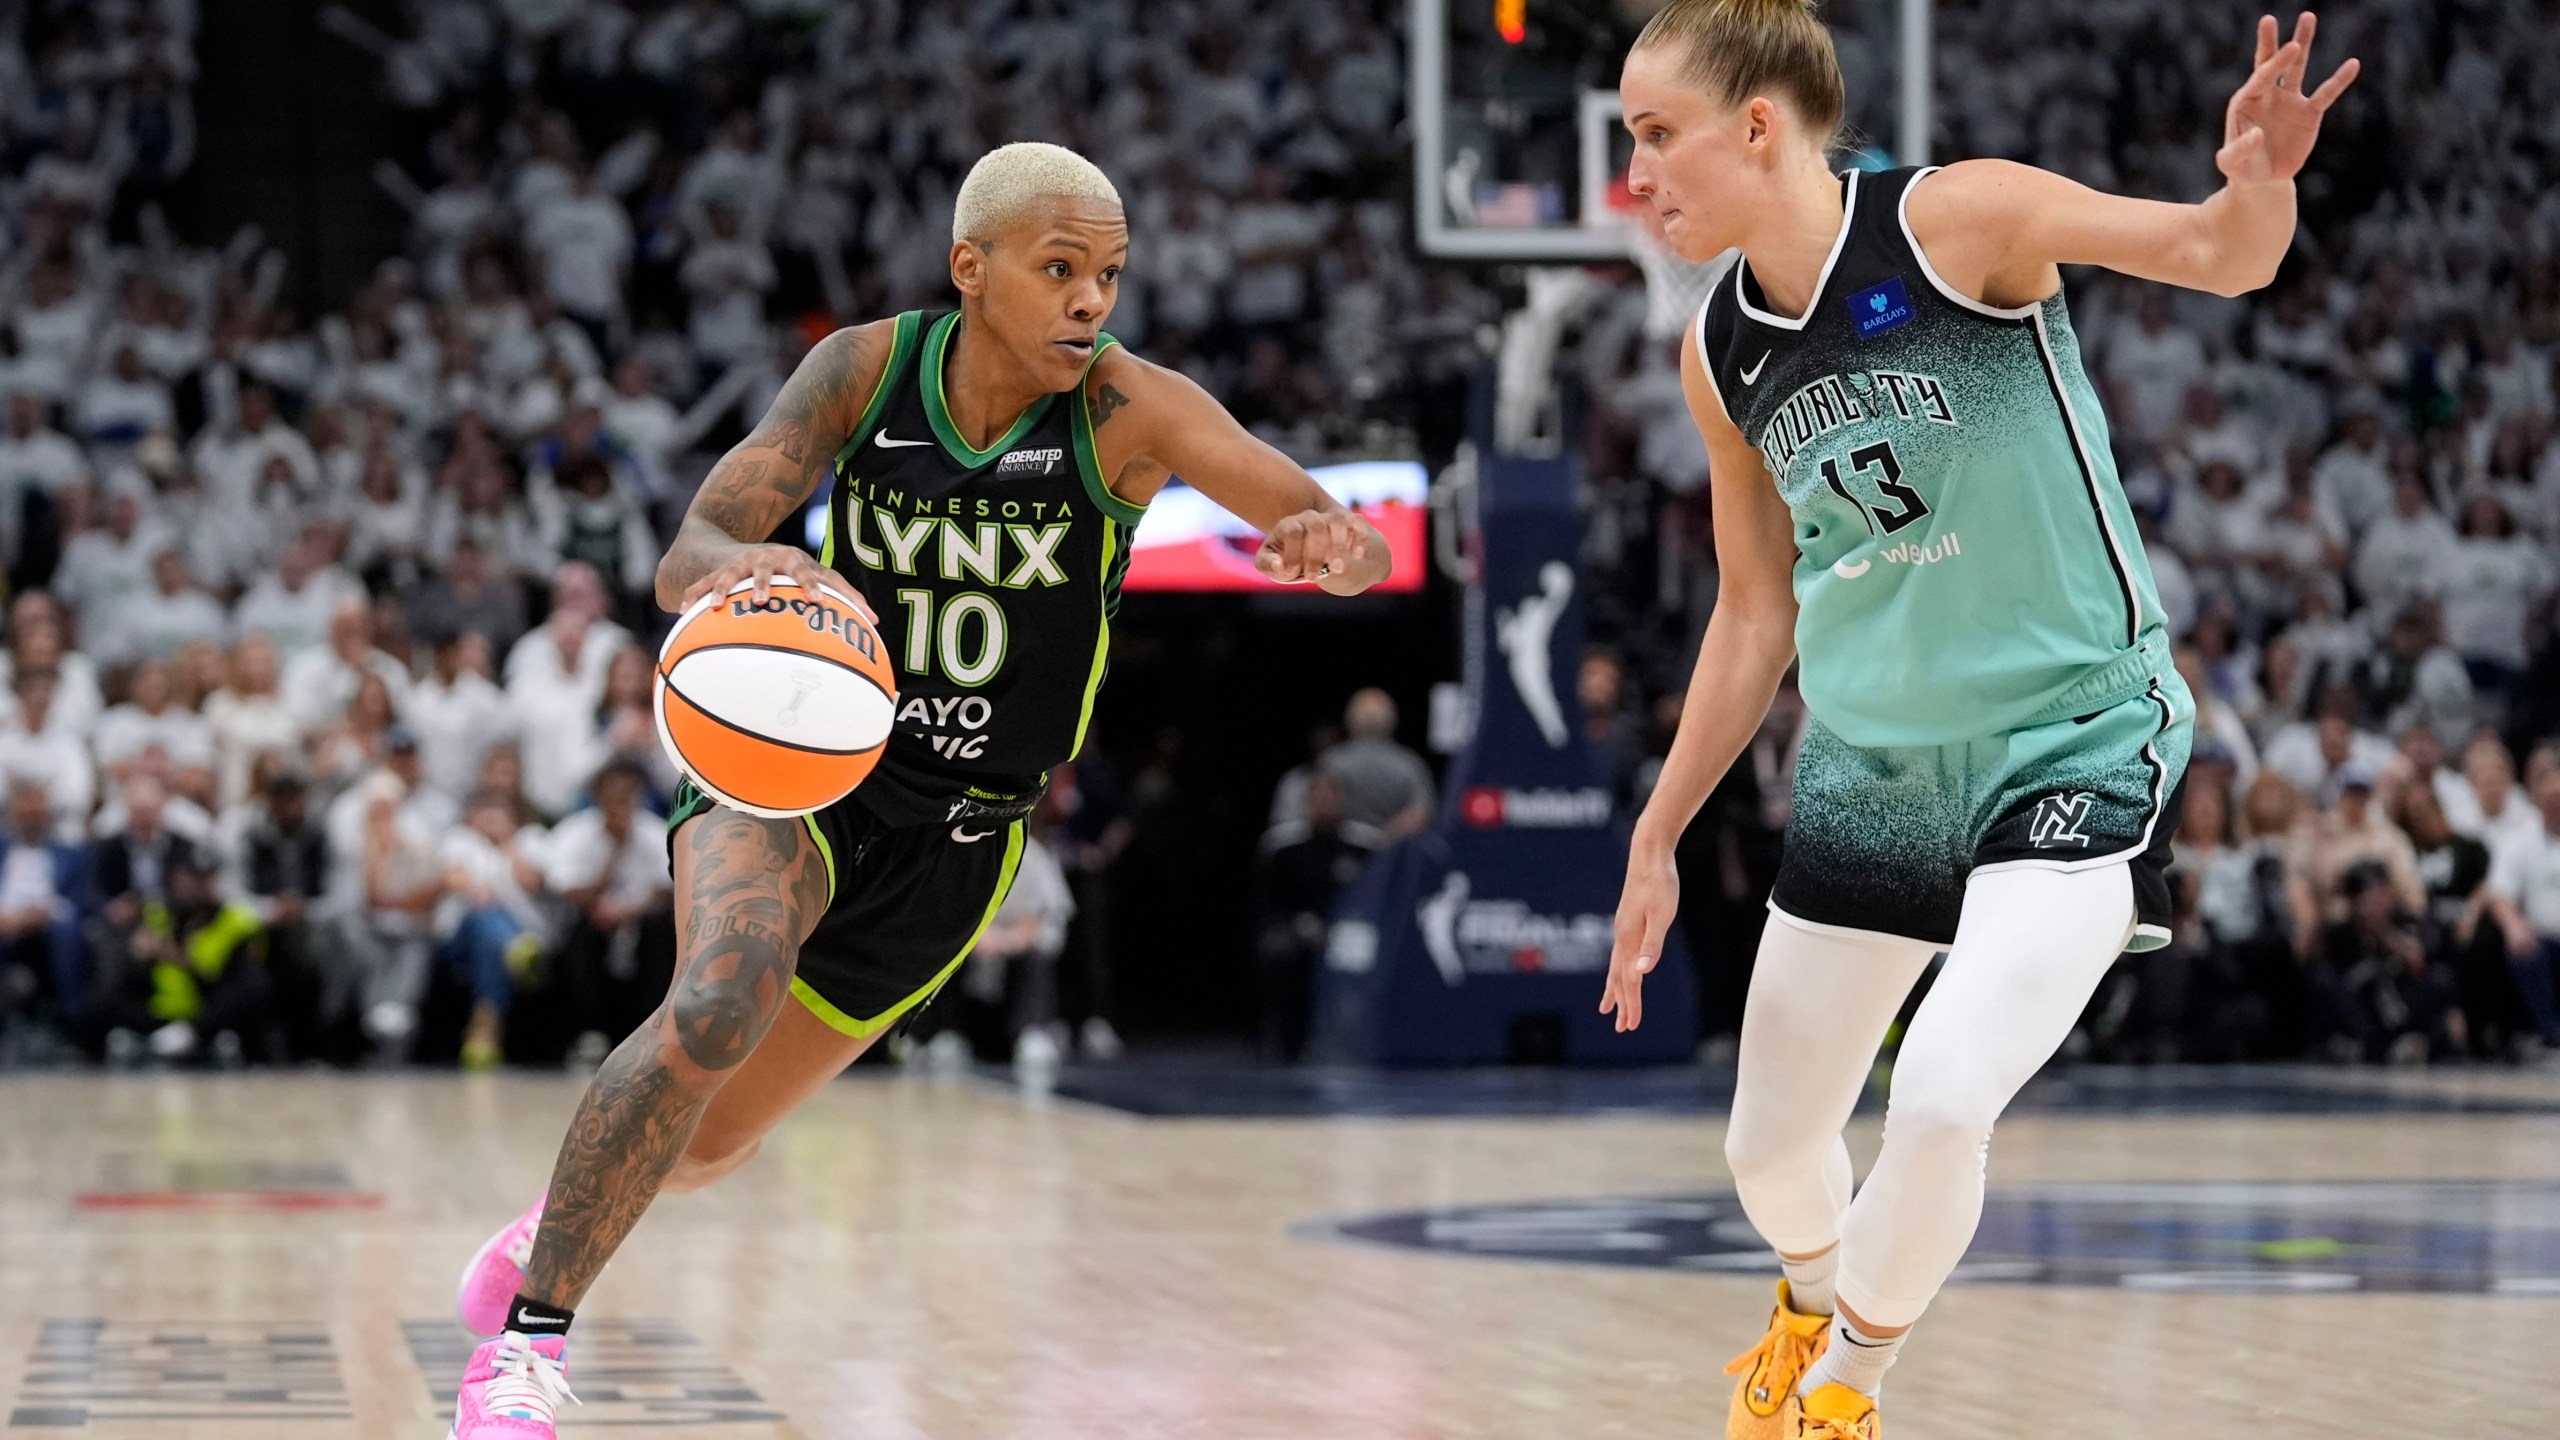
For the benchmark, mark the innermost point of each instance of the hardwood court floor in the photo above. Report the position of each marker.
(940, 1260)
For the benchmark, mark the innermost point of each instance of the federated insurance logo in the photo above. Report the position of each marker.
(2474, 1237)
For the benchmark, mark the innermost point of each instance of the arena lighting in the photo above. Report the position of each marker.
(1511, 18)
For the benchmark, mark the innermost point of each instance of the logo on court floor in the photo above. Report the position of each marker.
(2058, 819)
(2461, 1237)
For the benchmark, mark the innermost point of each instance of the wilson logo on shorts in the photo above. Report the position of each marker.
(2058, 819)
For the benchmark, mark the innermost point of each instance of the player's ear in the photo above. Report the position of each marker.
(968, 267)
(1760, 121)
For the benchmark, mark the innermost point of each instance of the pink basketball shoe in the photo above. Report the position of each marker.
(513, 1389)
(491, 1280)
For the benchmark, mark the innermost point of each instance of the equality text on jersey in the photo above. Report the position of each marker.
(1833, 401)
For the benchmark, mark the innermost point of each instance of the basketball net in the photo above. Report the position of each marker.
(1674, 288)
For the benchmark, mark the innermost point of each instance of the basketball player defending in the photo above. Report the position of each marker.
(1914, 500)
(989, 466)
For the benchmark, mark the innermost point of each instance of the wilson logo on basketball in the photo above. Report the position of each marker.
(820, 617)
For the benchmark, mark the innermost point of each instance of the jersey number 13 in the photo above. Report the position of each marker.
(1888, 482)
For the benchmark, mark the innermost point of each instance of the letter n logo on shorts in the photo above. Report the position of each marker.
(2058, 819)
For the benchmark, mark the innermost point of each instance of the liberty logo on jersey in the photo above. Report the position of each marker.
(1879, 308)
(2058, 819)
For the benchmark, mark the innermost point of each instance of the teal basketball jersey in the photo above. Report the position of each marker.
(1967, 564)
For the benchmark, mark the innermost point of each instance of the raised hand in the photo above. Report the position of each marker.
(2273, 119)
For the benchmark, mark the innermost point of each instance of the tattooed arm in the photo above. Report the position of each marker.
(1151, 423)
(767, 477)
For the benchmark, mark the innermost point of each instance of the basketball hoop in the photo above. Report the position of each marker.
(1674, 288)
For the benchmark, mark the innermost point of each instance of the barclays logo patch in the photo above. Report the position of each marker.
(1879, 308)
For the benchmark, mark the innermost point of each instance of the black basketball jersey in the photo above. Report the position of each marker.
(995, 574)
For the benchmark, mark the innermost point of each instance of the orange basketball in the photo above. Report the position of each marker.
(776, 709)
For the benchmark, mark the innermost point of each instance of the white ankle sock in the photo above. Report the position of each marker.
(1854, 1358)
(1809, 1282)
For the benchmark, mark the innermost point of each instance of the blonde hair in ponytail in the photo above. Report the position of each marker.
(1735, 49)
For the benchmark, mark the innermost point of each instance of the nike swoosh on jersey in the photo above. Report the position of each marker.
(884, 442)
(961, 834)
(1752, 375)
(1847, 571)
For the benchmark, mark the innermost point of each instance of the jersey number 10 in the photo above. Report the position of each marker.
(1878, 457)
(965, 662)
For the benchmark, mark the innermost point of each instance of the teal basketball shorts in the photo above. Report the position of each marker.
(1884, 840)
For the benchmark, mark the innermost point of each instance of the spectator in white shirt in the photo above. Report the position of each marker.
(38, 751)
(293, 605)
(35, 457)
(249, 719)
(458, 714)
(578, 603)
(108, 567)
(2524, 894)
(175, 615)
(609, 862)
(2484, 801)
(2495, 581)
(233, 462)
(55, 325)
(490, 920)
(37, 463)
(2314, 756)
(152, 718)
(727, 274)
(2407, 551)
(2150, 364)
(400, 881)
(584, 240)
(319, 684)
(2354, 475)
(385, 523)
(36, 643)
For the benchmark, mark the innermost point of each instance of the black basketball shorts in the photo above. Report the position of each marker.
(905, 905)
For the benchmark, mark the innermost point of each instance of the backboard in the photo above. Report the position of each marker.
(1515, 116)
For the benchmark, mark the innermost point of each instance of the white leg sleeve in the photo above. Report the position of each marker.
(1820, 1003)
(2030, 950)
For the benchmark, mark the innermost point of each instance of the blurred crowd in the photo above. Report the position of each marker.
(326, 725)
(2349, 487)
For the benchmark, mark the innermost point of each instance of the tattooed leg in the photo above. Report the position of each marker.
(748, 892)
(797, 1058)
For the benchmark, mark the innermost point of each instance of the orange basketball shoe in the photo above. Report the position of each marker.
(1833, 1412)
(1770, 1369)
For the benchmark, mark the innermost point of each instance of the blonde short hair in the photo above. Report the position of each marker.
(1011, 181)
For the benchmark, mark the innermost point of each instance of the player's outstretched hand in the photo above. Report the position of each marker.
(761, 563)
(1646, 908)
(2274, 118)
(1312, 544)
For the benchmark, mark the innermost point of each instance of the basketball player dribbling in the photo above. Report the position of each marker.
(989, 466)
(1913, 499)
